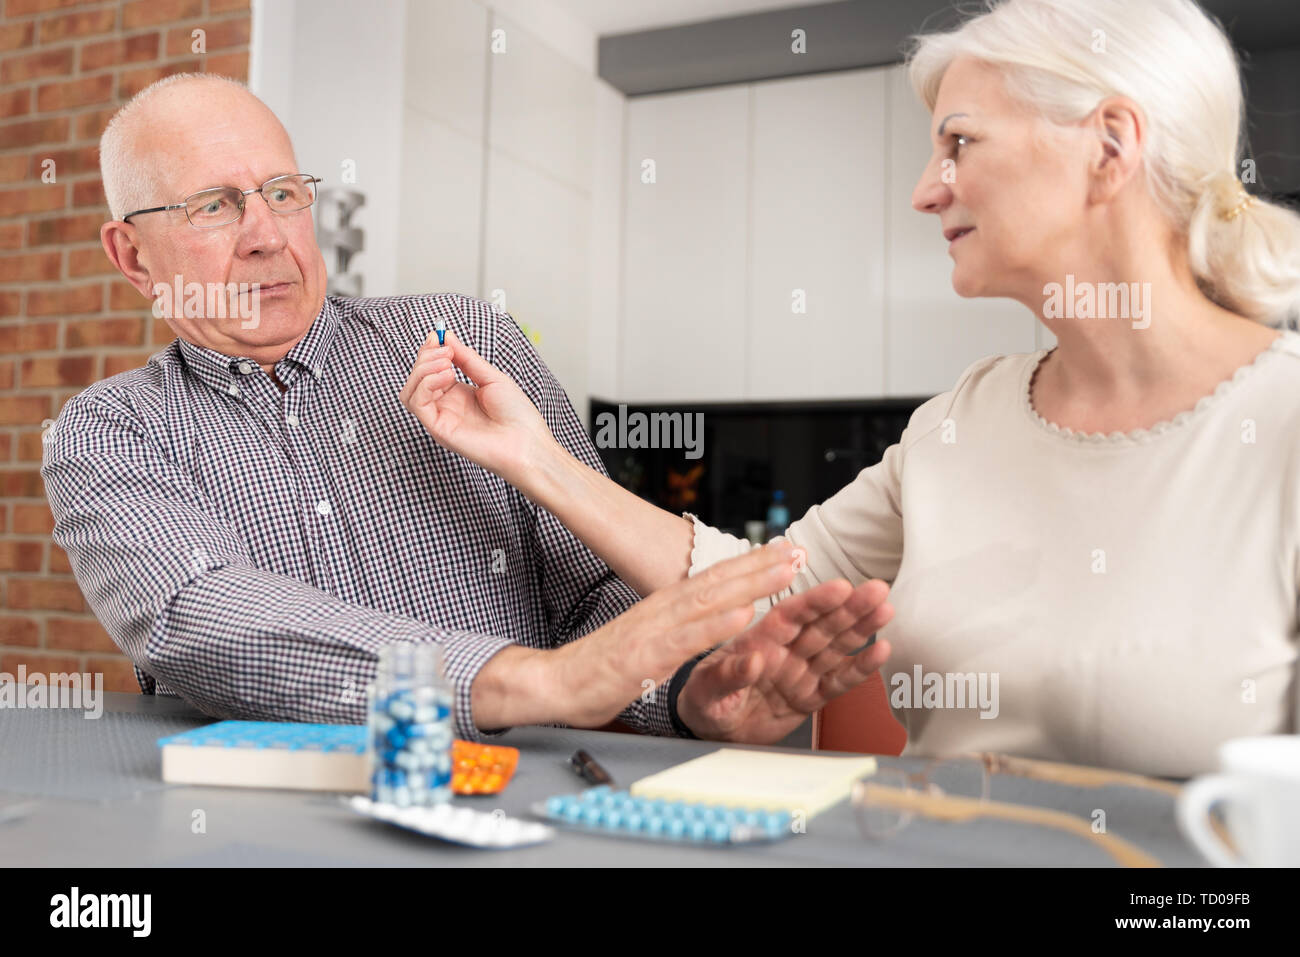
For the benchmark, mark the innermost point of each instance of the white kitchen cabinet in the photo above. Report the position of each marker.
(446, 62)
(541, 106)
(683, 330)
(817, 237)
(442, 208)
(441, 215)
(781, 191)
(537, 233)
(604, 269)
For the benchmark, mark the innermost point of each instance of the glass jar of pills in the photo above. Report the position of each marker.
(409, 727)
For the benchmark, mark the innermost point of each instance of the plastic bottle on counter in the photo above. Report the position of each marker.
(778, 516)
(410, 727)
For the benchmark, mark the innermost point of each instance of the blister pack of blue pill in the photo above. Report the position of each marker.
(602, 810)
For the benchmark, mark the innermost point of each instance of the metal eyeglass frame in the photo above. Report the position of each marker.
(260, 190)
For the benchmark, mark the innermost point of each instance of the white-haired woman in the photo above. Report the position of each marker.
(1106, 534)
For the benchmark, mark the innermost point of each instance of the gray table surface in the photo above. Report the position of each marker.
(79, 792)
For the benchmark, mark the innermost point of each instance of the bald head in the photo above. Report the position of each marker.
(183, 135)
(142, 148)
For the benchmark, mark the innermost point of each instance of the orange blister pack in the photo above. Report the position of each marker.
(481, 768)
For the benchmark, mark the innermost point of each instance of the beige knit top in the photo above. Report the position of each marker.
(1125, 600)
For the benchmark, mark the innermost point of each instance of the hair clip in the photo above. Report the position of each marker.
(1246, 201)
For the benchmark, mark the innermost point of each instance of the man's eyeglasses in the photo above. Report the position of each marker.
(225, 204)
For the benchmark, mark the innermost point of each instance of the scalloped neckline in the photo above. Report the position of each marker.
(1162, 427)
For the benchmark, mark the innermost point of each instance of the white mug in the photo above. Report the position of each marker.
(1259, 787)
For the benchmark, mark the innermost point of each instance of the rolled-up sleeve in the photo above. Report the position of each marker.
(178, 592)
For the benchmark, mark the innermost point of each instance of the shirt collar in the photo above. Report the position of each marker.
(307, 357)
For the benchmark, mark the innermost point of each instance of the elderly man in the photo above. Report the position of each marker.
(254, 514)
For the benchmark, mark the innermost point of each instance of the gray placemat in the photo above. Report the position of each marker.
(60, 753)
(106, 805)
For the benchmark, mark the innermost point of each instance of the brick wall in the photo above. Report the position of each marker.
(66, 318)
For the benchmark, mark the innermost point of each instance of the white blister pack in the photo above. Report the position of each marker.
(459, 825)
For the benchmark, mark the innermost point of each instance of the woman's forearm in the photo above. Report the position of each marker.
(647, 547)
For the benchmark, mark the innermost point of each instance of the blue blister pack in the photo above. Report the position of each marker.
(609, 813)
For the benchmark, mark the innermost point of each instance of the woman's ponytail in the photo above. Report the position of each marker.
(1245, 251)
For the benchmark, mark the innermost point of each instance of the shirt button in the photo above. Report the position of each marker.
(323, 507)
(246, 368)
(291, 419)
(233, 390)
(316, 372)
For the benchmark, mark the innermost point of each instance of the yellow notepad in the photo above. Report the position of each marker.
(759, 779)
